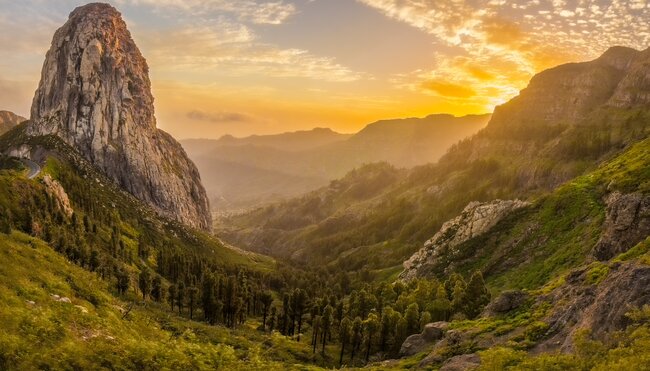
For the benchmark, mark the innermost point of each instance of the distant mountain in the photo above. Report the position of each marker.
(9, 120)
(291, 141)
(260, 169)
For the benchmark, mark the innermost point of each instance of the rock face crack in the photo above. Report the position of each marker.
(95, 94)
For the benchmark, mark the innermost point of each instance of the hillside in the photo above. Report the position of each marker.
(247, 172)
(8, 120)
(84, 319)
(526, 150)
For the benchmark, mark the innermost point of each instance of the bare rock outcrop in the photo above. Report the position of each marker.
(505, 302)
(56, 191)
(627, 222)
(95, 94)
(600, 308)
(476, 219)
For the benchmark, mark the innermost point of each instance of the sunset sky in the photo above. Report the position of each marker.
(255, 66)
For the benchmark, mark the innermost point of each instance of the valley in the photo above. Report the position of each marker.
(515, 240)
(251, 172)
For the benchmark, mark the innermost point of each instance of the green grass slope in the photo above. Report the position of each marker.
(557, 232)
(94, 331)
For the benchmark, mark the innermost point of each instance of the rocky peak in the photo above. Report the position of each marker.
(620, 77)
(95, 94)
(476, 219)
(619, 57)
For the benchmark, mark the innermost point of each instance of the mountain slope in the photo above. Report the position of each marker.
(95, 94)
(527, 149)
(561, 300)
(574, 224)
(8, 120)
(289, 164)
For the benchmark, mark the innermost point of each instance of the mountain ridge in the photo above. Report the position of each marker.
(401, 142)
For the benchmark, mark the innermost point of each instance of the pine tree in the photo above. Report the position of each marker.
(344, 336)
(192, 293)
(173, 290)
(157, 289)
(355, 335)
(266, 298)
(425, 318)
(180, 297)
(371, 324)
(476, 295)
(122, 281)
(401, 328)
(208, 299)
(326, 324)
(144, 282)
(441, 306)
(94, 262)
(412, 317)
(298, 306)
(458, 297)
(272, 319)
(386, 327)
(316, 328)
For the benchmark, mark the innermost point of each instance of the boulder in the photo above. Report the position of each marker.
(434, 331)
(417, 343)
(412, 345)
(506, 301)
(56, 190)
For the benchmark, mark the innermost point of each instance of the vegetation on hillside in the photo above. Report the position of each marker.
(395, 222)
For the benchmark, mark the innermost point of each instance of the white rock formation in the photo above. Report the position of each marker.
(476, 219)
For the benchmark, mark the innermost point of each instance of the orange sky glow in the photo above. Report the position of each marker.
(257, 67)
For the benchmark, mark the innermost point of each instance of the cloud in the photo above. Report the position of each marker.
(449, 89)
(257, 12)
(232, 49)
(496, 46)
(218, 117)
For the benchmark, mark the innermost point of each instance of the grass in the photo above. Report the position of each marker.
(92, 332)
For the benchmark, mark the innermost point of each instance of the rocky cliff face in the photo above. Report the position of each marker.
(600, 308)
(476, 219)
(566, 93)
(95, 94)
(627, 222)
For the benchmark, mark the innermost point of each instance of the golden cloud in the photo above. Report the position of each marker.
(447, 89)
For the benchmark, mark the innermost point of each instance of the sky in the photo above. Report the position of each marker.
(246, 67)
